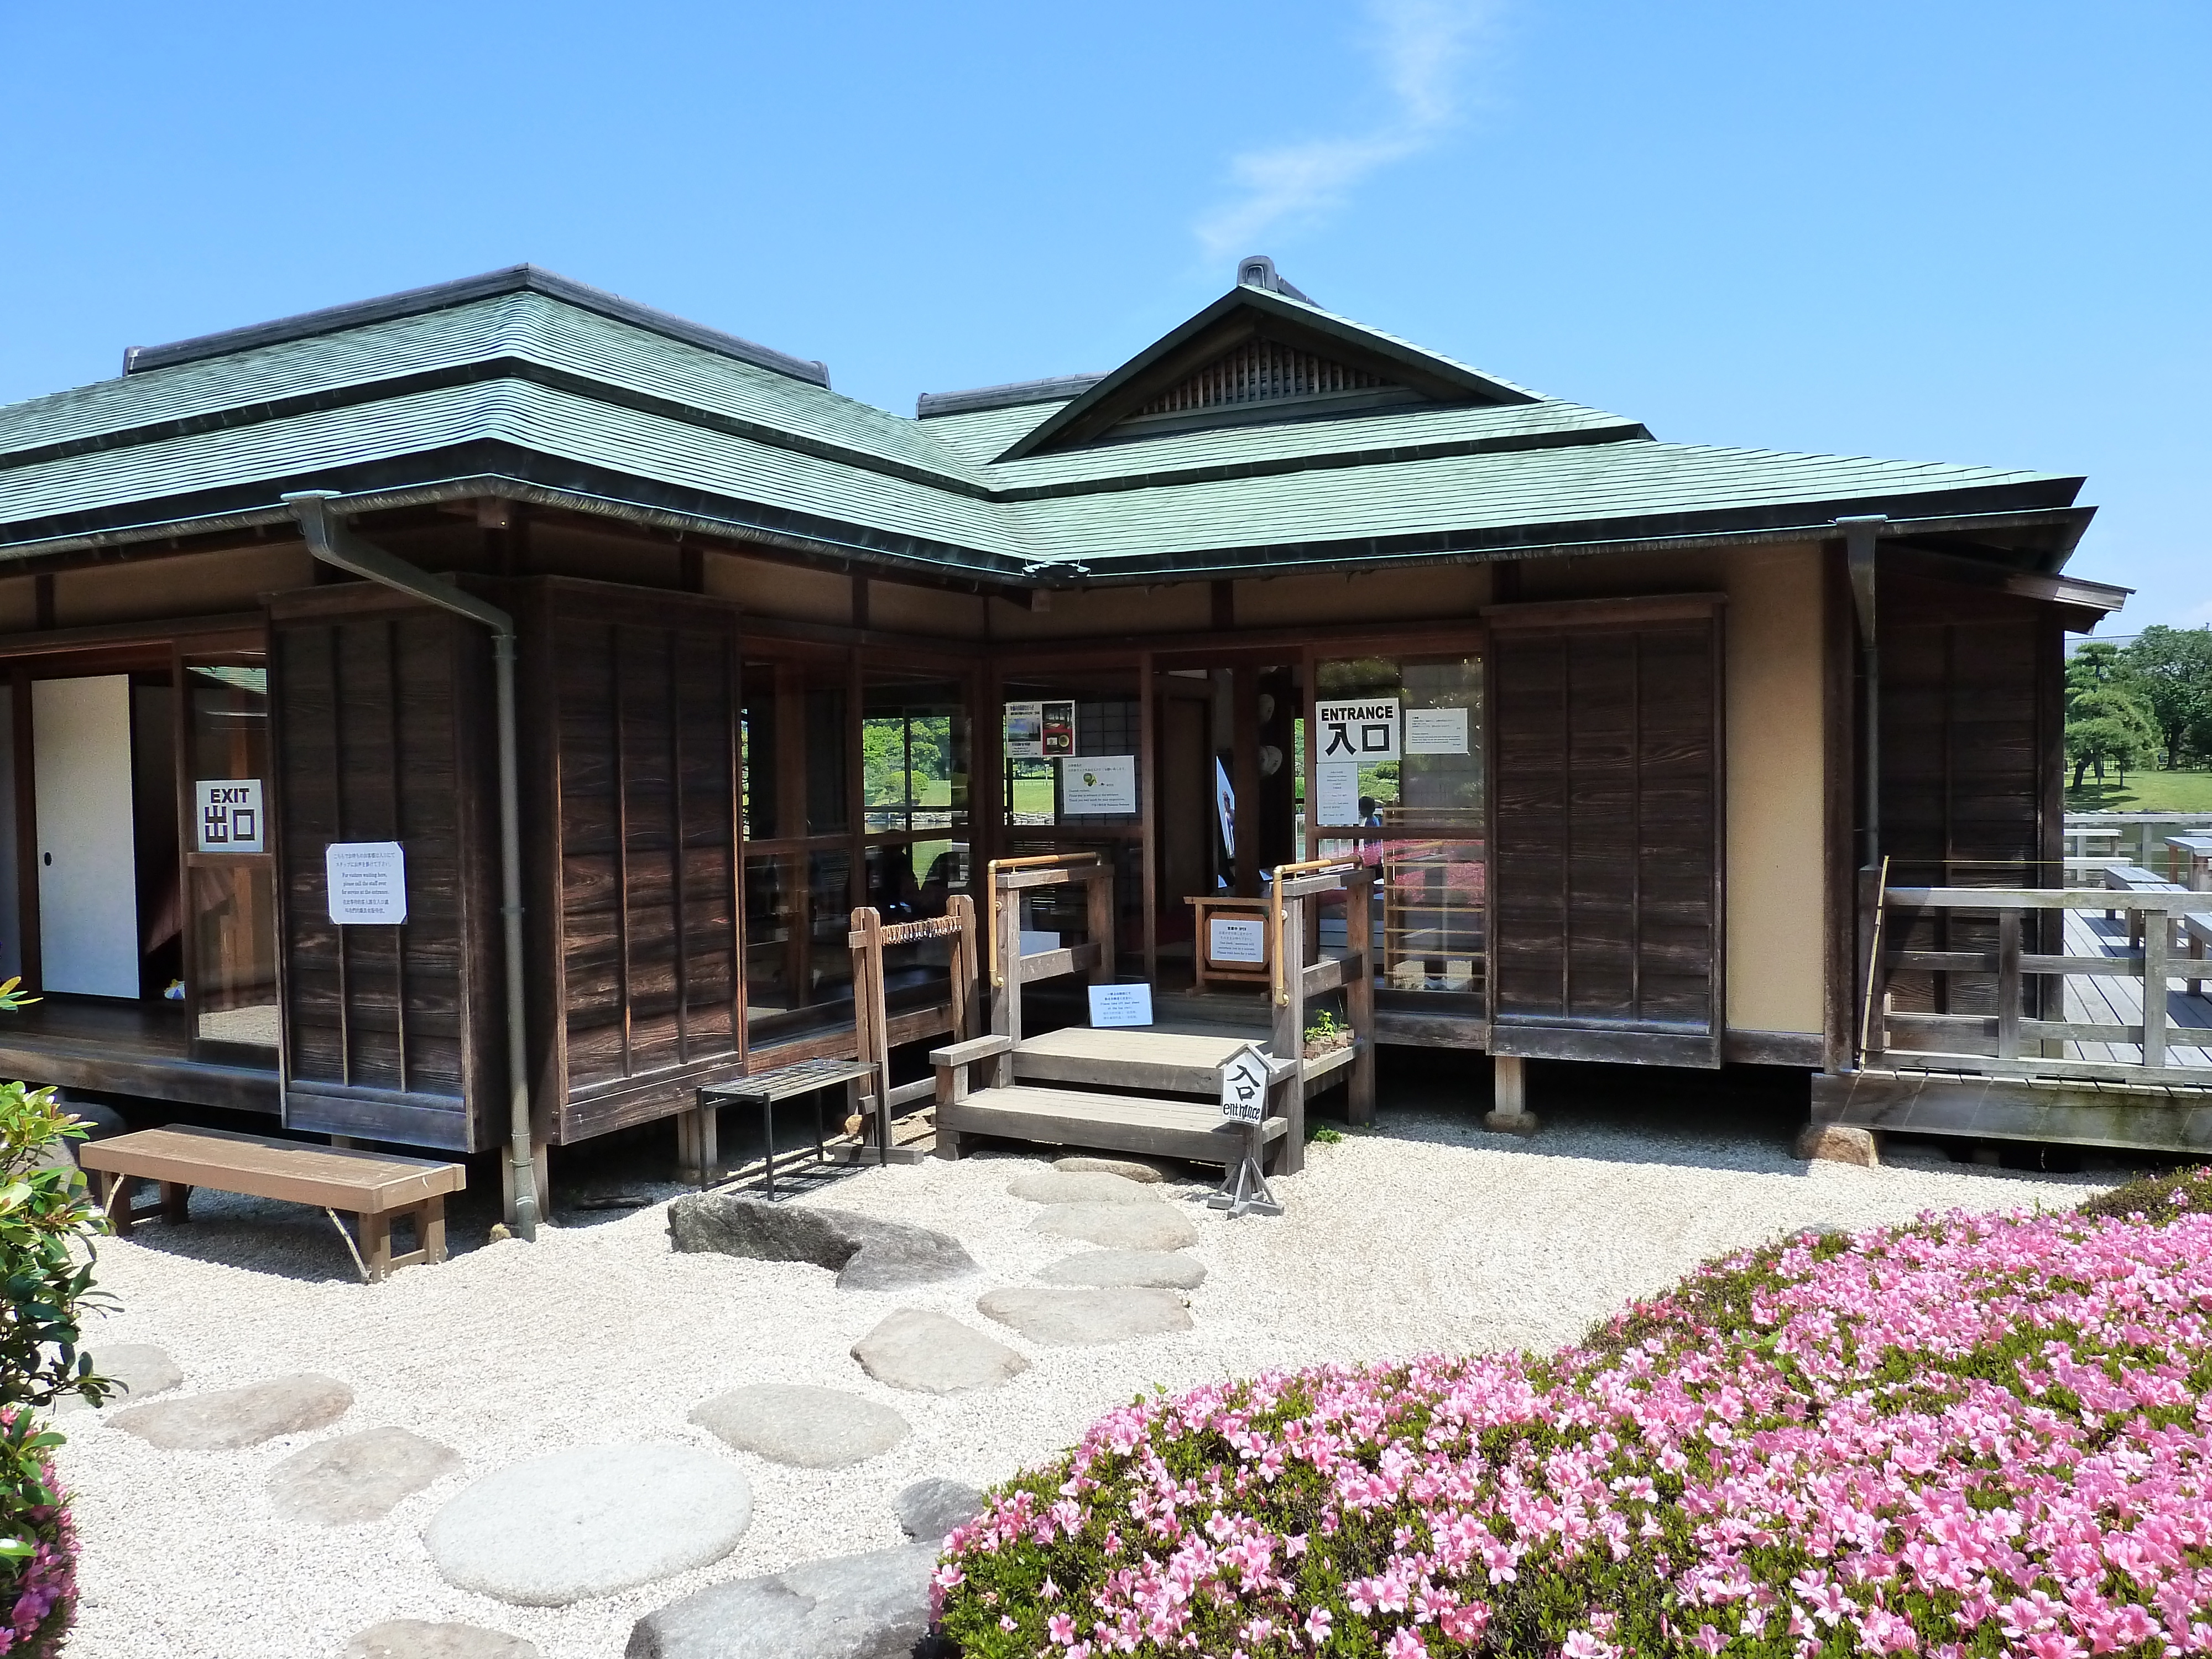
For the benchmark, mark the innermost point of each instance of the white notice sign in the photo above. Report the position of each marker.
(1436, 731)
(1244, 1085)
(1366, 731)
(1337, 799)
(1120, 1004)
(1098, 783)
(1236, 939)
(367, 883)
(230, 815)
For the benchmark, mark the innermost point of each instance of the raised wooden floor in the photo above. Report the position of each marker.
(126, 1048)
(1194, 1132)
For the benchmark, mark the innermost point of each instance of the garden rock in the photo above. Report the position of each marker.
(418, 1638)
(357, 1477)
(865, 1253)
(590, 1522)
(808, 1427)
(1086, 1318)
(874, 1606)
(1832, 1143)
(1127, 1168)
(1118, 1226)
(931, 1508)
(1078, 1186)
(930, 1354)
(232, 1418)
(142, 1368)
(1161, 1270)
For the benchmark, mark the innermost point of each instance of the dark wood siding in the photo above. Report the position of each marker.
(640, 697)
(377, 718)
(1606, 831)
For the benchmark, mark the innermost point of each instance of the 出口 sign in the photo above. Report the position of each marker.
(1364, 730)
(229, 815)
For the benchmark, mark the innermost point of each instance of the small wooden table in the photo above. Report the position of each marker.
(374, 1186)
(2197, 849)
(764, 1090)
(1204, 964)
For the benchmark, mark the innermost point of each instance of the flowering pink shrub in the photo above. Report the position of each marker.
(38, 1590)
(1976, 1435)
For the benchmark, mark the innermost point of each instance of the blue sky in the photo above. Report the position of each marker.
(1943, 231)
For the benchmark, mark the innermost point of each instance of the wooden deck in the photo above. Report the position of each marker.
(115, 1047)
(1194, 1131)
(2117, 999)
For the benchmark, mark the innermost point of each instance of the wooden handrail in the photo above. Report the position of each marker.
(2047, 898)
(1280, 987)
(1028, 861)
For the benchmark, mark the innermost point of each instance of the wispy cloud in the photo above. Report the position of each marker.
(1421, 46)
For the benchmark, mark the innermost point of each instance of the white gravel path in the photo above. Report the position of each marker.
(1427, 1235)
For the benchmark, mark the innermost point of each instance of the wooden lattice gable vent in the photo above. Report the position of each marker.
(1266, 371)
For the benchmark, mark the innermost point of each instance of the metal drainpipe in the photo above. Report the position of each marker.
(1859, 544)
(333, 543)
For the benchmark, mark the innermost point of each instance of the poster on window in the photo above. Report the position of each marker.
(1436, 731)
(1366, 731)
(1098, 783)
(229, 815)
(1024, 738)
(1336, 796)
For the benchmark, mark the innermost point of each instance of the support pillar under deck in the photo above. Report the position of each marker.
(1508, 1111)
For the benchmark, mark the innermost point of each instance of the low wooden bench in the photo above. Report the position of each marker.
(374, 1187)
(2134, 878)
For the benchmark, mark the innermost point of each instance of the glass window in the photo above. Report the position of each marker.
(235, 953)
(794, 750)
(231, 877)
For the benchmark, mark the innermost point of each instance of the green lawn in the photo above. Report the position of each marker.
(2145, 792)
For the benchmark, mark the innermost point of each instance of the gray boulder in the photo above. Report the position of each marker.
(874, 1606)
(865, 1253)
(142, 1368)
(419, 1638)
(356, 1477)
(232, 1418)
(931, 1507)
(808, 1427)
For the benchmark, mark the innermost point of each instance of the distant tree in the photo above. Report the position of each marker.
(2106, 720)
(2170, 670)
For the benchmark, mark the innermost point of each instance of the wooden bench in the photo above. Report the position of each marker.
(2134, 878)
(374, 1187)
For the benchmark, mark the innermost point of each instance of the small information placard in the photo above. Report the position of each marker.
(1337, 799)
(229, 815)
(1436, 731)
(1098, 783)
(1120, 1004)
(367, 883)
(1236, 939)
(1244, 1085)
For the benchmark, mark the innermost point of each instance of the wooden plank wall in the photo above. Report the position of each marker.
(377, 720)
(1606, 832)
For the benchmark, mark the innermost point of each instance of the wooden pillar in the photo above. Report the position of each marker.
(1289, 1032)
(1359, 993)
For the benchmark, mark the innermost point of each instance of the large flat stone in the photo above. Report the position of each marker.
(864, 1253)
(418, 1638)
(1086, 1318)
(1118, 1226)
(1127, 1168)
(809, 1427)
(357, 1477)
(930, 1354)
(1159, 1270)
(143, 1370)
(232, 1418)
(874, 1606)
(590, 1522)
(1080, 1187)
(931, 1507)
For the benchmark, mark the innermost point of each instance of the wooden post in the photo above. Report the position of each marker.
(962, 909)
(871, 1018)
(2157, 940)
(1101, 921)
(1359, 993)
(1509, 1096)
(1290, 1033)
(696, 1149)
(2008, 984)
(1006, 989)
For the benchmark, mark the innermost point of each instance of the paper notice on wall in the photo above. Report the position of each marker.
(367, 883)
(1098, 784)
(1436, 731)
(1120, 1004)
(1336, 793)
(1236, 939)
(1057, 721)
(1024, 738)
(1365, 731)
(229, 815)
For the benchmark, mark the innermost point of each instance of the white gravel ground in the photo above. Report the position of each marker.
(1427, 1235)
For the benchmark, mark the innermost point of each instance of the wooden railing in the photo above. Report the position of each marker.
(2000, 1006)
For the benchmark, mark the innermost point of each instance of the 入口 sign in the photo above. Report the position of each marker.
(1365, 731)
(1244, 1085)
(368, 882)
(229, 815)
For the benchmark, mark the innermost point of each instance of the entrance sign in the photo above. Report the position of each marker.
(1236, 939)
(1436, 731)
(1366, 731)
(1244, 1085)
(1336, 800)
(1120, 1004)
(229, 815)
(1098, 783)
(367, 883)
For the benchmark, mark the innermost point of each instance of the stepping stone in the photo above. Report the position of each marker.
(418, 1638)
(1086, 1318)
(1127, 1168)
(357, 1477)
(1090, 1186)
(590, 1522)
(865, 1253)
(143, 1368)
(850, 1607)
(1159, 1270)
(929, 1354)
(808, 1427)
(931, 1508)
(1118, 1226)
(232, 1418)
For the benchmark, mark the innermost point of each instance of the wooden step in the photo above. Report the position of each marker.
(1113, 1123)
(1170, 1062)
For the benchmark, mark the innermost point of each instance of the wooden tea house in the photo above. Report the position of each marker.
(477, 717)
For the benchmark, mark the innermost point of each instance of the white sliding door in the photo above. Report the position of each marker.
(87, 859)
